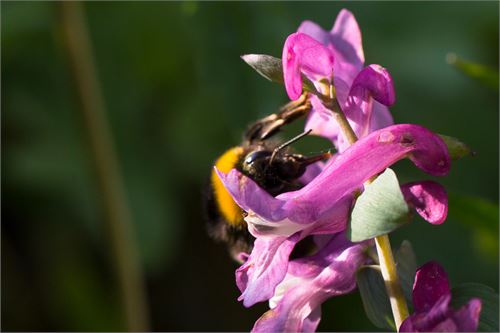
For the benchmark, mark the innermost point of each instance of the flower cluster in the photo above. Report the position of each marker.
(296, 287)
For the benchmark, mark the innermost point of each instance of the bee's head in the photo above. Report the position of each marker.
(282, 165)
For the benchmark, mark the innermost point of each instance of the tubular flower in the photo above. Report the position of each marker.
(362, 93)
(322, 207)
(296, 303)
(296, 287)
(431, 300)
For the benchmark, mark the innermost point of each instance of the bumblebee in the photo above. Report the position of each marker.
(271, 165)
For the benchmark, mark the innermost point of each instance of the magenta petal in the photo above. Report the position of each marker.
(311, 323)
(467, 317)
(374, 81)
(347, 37)
(366, 158)
(320, 120)
(311, 281)
(312, 171)
(341, 176)
(435, 316)
(431, 283)
(381, 117)
(373, 84)
(429, 199)
(291, 70)
(250, 197)
(443, 318)
(315, 31)
(304, 54)
(265, 268)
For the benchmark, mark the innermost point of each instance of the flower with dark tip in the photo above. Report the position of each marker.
(431, 301)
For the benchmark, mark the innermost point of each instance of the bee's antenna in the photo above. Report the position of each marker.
(287, 143)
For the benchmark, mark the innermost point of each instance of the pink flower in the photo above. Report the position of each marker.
(296, 288)
(362, 93)
(322, 207)
(431, 300)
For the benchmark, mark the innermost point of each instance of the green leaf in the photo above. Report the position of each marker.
(462, 294)
(266, 65)
(406, 265)
(272, 69)
(380, 209)
(484, 74)
(456, 148)
(374, 297)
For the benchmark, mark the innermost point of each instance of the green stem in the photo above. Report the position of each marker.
(382, 243)
(118, 218)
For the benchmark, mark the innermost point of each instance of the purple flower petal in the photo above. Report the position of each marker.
(265, 268)
(347, 37)
(467, 317)
(442, 318)
(372, 84)
(343, 175)
(362, 106)
(320, 120)
(431, 300)
(425, 321)
(250, 197)
(312, 171)
(358, 91)
(431, 283)
(381, 117)
(367, 157)
(308, 283)
(429, 199)
(304, 54)
(315, 31)
(375, 81)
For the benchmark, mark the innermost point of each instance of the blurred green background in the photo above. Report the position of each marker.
(177, 95)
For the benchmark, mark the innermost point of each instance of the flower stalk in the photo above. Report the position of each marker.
(382, 243)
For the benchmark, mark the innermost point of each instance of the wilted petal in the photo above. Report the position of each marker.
(346, 36)
(308, 283)
(429, 199)
(431, 283)
(304, 54)
(265, 268)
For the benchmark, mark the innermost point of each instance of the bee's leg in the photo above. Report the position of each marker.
(294, 104)
(270, 125)
(283, 119)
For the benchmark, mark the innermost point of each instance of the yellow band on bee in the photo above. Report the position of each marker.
(225, 203)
